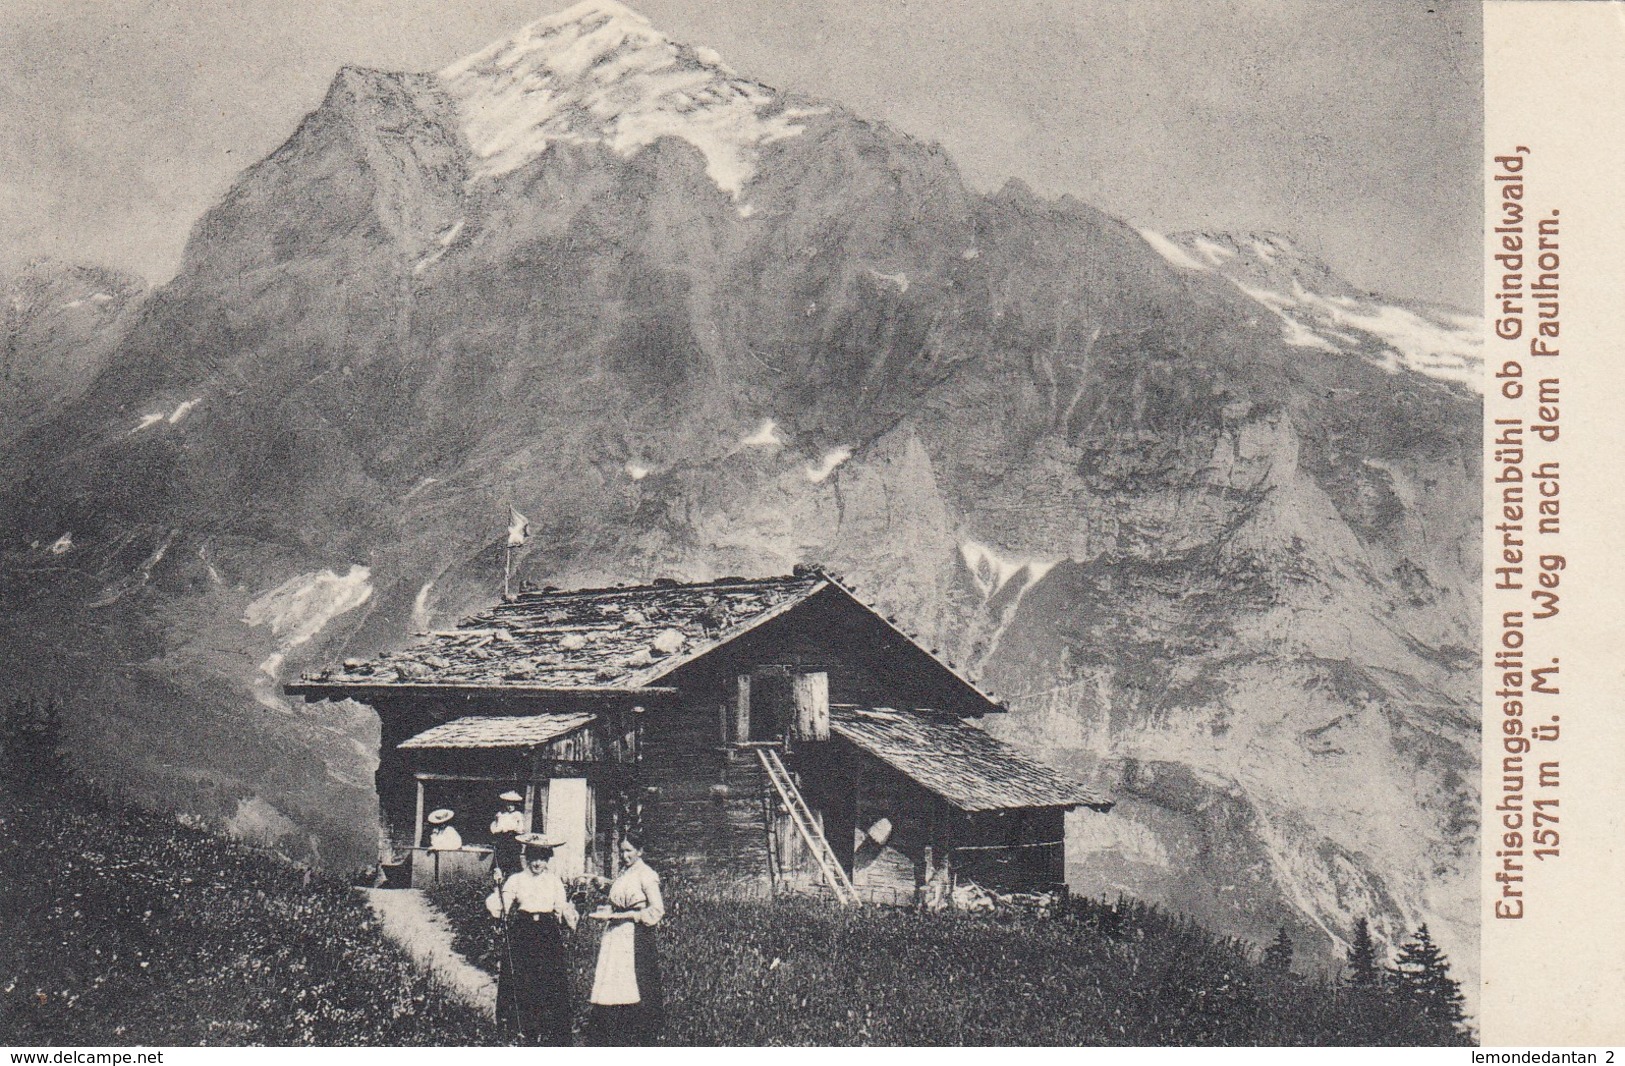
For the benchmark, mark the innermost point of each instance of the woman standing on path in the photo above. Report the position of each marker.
(627, 1005)
(533, 989)
(505, 829)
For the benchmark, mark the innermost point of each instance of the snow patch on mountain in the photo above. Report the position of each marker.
(899, 279)
(214, 573)
(1265, 249)
(637, 471)
(992, 571)
(140, 578)
(1295, 333)
(420, 607)
(63, 544)
(1434, 344)
(1440, 345)
(767, 435)
(419, 487)
(994, 574)
(1213, 252)
(93, 298)
(443, 243)
(600, 73)
(301, 606)
(173, 417)
(826, 465)
(1171, 251)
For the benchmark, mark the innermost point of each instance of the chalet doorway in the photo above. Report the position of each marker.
(570, 818)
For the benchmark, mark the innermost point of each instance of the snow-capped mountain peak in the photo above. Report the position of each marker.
(1317, 309)
(599, 72)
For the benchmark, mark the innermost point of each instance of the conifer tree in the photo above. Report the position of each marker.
(1423, 976)
(1364, 969)
(1278, 956)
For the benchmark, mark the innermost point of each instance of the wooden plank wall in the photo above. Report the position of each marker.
(702, 811)
(865, 661)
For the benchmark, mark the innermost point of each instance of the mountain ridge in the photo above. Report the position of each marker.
(1236, 574)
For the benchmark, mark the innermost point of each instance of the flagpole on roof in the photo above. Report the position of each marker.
(518, 531)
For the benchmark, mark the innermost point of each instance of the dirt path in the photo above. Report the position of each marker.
(412, 921)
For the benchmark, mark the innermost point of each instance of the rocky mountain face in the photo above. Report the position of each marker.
(1204, 515)
(62, 323)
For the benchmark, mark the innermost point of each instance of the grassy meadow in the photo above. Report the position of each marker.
(126, 927)
(801, 971)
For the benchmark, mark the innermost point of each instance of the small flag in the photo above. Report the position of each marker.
(518, 527)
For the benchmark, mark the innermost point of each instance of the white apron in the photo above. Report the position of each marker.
(615, 982)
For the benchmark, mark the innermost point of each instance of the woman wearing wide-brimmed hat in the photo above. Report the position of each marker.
(444, 836)
(505, 829)
(533, 989)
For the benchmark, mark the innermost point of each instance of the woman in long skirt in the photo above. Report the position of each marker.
(627, 1004)
(533, 988)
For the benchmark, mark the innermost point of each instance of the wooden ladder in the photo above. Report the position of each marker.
(775, 861)
(801, 815)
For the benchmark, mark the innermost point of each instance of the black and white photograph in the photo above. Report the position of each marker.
(741, 523)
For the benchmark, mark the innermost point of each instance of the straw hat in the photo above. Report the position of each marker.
(539, 840)
(511, 796)
(440, 816)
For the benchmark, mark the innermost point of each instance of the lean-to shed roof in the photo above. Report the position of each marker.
(500, 731)
(958, 761)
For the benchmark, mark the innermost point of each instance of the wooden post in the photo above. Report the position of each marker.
(742, 711)
(530, 791)
(810, 692)
(417, 827)
(924, 870)
(589, 858)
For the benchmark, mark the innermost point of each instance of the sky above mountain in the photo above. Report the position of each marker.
(1353, 126)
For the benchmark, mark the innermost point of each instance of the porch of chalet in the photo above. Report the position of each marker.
(575, 770)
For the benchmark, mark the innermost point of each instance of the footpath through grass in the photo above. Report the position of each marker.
(124, 927)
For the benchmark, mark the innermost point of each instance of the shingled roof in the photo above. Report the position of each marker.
(619, 638)
(958, 761)
(603, 640)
